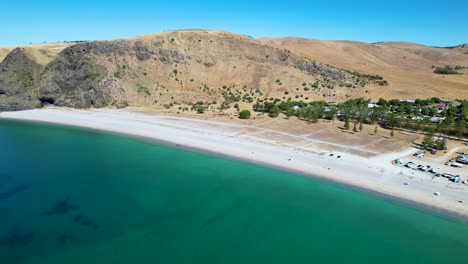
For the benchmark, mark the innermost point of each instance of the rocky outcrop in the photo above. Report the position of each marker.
(74, 79)
(19, 76)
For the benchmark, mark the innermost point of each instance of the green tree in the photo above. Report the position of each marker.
(330, 114)
(461, 128)
(360, 126)
(346, 124)
(440, 144)
(201, 109)
(258, 107)
(355, 127)
(428, 140)
(375, 129)
(274, 111)
(289, 112)
(392, 133)
(244, 114)
(312, 113)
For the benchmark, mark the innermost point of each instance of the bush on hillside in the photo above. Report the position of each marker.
(201, 109)
(244, 114)
(445, 70)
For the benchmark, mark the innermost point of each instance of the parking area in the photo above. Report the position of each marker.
(448, 164)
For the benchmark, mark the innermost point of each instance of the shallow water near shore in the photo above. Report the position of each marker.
(71, 195)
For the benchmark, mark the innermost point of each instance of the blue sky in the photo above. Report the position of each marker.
(434, 23)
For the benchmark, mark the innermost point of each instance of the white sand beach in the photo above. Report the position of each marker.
(242, 141)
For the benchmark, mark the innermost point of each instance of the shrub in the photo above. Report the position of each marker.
(274, 111)
(382, 83)
(244, 114)
(445, 70)
(143, 89)
(201, 109)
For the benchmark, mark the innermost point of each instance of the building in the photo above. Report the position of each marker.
(441, 105)
(436, 119)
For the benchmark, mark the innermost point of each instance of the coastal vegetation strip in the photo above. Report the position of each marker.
(430, 115)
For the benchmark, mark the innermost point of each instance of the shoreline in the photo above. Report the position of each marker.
(374, 175)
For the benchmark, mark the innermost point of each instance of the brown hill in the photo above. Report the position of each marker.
(408, 67)
(219, 69)
(42, 53)
(460, 48)
(176, 69)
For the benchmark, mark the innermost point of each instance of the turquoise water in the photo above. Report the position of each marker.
(70, 195)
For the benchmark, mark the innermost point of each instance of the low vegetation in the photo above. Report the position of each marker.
(244, 114)
(447, 70)
(363, 78)
(431, 141)
(430, 116)
(143, 89)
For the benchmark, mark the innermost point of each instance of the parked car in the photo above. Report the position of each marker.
(448, 175)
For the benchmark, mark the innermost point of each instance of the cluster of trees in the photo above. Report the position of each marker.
(450, 120)
(363, 77)
(417, 115)
(237, 96)
(447, 70)
(431, 141)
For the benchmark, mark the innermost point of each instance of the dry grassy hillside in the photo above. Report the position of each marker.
(186, 69)
(4, 52)
(408, 67)
(460, 48)
(194, 65)
(43, 53)
(173, 70)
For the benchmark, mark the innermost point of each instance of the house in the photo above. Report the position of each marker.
(437, 119)
(441, 105)
(408, 101)
(372, 106)
(295, 108)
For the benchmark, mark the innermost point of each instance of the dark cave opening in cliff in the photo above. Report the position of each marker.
(47, 101)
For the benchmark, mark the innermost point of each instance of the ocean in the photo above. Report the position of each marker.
(71, 195)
